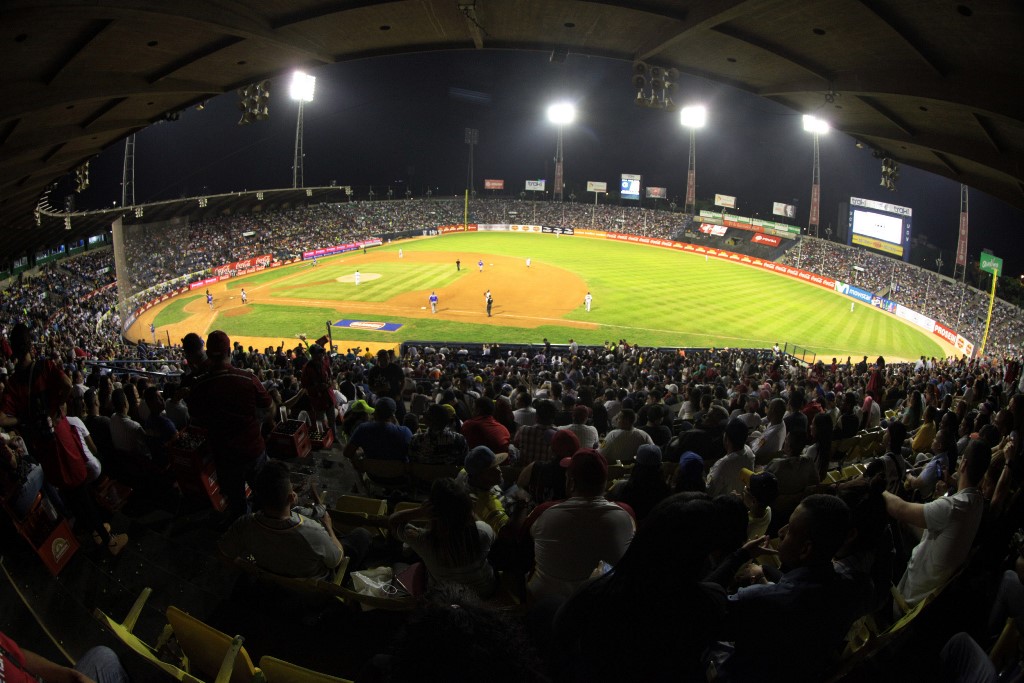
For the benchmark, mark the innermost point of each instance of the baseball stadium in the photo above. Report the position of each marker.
(451, 411)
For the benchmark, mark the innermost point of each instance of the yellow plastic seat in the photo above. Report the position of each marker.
(279, 671)
(350, 512)
(210, 652)
(123, 631)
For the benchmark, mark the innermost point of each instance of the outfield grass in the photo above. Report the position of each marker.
(647, 295)
(174, 312)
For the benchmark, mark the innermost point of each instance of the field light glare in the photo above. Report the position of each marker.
(562, 113)
(302, 86)
(694, 116)
(812, 124)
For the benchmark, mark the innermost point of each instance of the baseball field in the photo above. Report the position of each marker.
(647, 295)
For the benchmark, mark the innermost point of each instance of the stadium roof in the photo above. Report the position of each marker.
(935, 84)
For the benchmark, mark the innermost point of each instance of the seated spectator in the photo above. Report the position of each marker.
(585, 433)
(483, 430)
(451, 544)
(724, 476)
(533, 442)
(943, 455)
(759, 491)
(622, 443)
(660, 434)
(284, 542)
(439, 445)
(868, 554)
(646, 485)
(950, 524)
(788, 631)
(98, 664)
(796, 421)
(571, 537)
(769, 443)
(820, 449)
(357, 413)
(128, 436)
(676, 537)
(925, 433)
(483, 479)
(524, 413)
(690, 475)
(705, 439)
(158, 425)
(381, 438)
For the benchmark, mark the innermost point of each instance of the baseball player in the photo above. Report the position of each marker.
(490, 302)
(586, 301)
(400, 254)
(527, 261)
(433, 302)
(480, 265)
(245, 299)
(357, 277)
(152, 331)
(209, 299)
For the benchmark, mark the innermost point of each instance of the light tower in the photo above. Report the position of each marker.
(128, 172)
(816, 127)
(560, 114)
(692, 117)
(301, 90)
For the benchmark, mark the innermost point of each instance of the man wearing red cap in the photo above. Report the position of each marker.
(231, 404)
(570, 538)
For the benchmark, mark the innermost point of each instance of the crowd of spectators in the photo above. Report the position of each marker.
(577, 552)
(962, 308)
(74, 297)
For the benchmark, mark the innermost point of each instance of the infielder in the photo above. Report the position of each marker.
(433, 302)
(357, 277)
(209, 299)
(586, 301)
(400, 255)
(480, 265)
(245, 299)
(527, 262)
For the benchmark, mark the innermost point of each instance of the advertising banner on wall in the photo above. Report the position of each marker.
(630, 186)
(772, 240)
(535, 185)
(492, 184)
(716, 230)
(596, 186)
(725, 200)
(657, 192)
(249, 265)
(556, 231)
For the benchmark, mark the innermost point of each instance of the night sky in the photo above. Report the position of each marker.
(399, 122)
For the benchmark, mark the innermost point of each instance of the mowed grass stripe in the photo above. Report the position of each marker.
(174, 312)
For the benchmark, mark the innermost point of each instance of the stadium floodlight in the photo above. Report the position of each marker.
(817, 127)
(693, 116)
(301, 89)
(812, 124)
(561, 114)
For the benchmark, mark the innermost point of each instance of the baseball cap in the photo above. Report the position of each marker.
(316, 350)
(481, 459)
(218, 344)
(648, 455)
(691, 464)
(587, 464)
(564, 443)
(360, 406)
(385, 407)
(672, 388)
(763, 486)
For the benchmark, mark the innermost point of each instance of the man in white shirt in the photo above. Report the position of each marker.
(769, 443)
(585, 433)
(725, 475)
(571, 537)
(127, 435)
(950, 524)
(621, 445)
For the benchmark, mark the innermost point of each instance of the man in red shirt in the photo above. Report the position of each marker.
(231, 404)
(483, 430)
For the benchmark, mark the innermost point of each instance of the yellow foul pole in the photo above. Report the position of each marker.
(988, 318)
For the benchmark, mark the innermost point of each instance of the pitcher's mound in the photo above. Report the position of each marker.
(363, 277)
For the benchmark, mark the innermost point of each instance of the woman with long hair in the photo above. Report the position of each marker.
(452, 545)
(820, 451)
